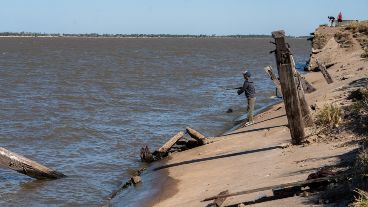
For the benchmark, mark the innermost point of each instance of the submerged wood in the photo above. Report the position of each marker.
(166, 147)
(26, 166)
(197, 136)
(146, 155)
(286, 185)
(324, 72)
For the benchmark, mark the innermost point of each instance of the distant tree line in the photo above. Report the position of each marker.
(35, 34)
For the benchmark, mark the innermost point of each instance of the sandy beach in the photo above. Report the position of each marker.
(261, 155)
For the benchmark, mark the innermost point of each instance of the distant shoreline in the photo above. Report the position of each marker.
(136, 36)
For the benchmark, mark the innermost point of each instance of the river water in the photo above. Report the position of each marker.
(86, 106)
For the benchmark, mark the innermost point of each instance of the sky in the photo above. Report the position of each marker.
(220, 17)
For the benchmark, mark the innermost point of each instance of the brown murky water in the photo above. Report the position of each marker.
(86, 106)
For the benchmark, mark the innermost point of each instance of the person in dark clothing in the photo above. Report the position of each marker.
(331, 19)
(250, 92)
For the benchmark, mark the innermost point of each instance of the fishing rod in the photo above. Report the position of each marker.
(228, 89)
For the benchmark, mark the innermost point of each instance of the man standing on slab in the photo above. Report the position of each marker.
(250, 92)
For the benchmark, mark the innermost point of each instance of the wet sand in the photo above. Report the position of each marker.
(254, 156)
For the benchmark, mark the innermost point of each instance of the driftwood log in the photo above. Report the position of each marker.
(324, 72)
(202, 140)
(289, 89)
(167, 146)
(26, 166)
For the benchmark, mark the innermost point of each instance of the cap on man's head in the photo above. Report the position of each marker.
(246, 73)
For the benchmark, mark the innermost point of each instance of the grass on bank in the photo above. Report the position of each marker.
(361, 27)
(329, 117)
(362, 199)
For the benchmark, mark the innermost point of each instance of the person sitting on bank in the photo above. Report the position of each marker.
(250, 92)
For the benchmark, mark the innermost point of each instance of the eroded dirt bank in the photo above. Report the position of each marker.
(256, 156)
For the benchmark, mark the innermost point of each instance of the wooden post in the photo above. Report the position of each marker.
(324, 72)
(166, 147)
(307, 116)
(307, 87)
(202, 140)
(26, 166)
(289, 90)
(273, 77)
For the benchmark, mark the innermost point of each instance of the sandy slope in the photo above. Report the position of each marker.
(251, 157)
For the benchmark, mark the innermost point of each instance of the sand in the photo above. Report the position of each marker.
(255, 156)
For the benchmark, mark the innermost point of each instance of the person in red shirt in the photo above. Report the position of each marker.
(339, 17)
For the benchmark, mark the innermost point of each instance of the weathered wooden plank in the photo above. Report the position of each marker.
(303, 183)
(307, 87)
(307, 116)
(218, 202)
(166, 147)
(289, 89)
(26, 166)
(292, 104)
(273, 77)
(324, 72)
(197, 136)
(279, 37)
(304, 107)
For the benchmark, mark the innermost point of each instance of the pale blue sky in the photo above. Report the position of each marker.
(174, 16)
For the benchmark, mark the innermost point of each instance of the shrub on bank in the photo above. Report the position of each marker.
(362, 199)
(365, 53)
(359, 114)
(329, 116)
(361, 27)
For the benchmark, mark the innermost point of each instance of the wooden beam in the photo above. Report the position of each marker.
(303, 183)
(273, 77)
(307, 116)
(197, 136)
(304, 107)
(289, 89)
(307, 87)
(218, 202)
(26, 166)
(166, 147)
(324, 72)
(279, 37)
